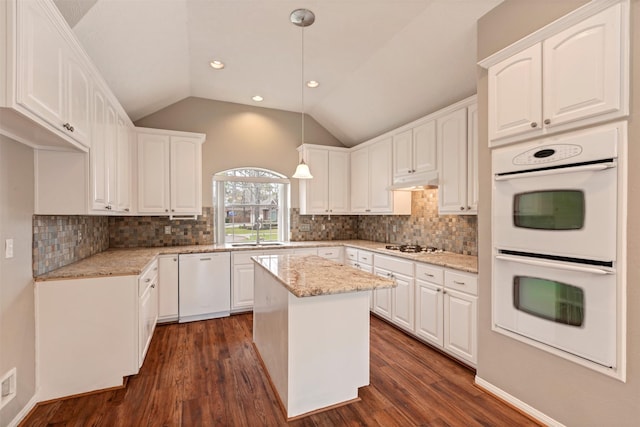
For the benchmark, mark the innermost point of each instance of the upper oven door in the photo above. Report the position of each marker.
(558, 196)
(571, 307)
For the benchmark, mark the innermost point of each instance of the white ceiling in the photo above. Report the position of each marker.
(380, 63)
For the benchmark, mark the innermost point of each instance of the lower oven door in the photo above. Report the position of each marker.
(571, 307)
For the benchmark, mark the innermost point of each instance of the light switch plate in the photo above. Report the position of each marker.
(305, 227)
(8, 248)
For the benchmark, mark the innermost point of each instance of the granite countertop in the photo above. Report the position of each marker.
(128, 262)
(312, 275)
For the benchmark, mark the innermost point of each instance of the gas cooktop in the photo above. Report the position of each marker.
(413, 248)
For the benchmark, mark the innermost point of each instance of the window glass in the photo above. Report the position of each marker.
(548, 299)
(549, 210)
(251, 206)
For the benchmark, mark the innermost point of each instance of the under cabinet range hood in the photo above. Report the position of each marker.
(416, 183)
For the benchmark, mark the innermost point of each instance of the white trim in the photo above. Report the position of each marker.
(24, 411)
(524, 407)
(261, 179)
(200, 136)
(560, 24)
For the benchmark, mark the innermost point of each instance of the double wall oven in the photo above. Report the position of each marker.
(555, 239)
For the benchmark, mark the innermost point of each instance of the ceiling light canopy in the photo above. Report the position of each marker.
(257, 98)
(216, 64)
(302, 18)
(313, 83)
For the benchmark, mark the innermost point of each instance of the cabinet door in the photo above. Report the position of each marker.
(41, 57)
(186, 184)
(360, 181)
(78, 96)
(472, 160)
(460, 325)
(123, 167)
(148, 312)
(515, 95)
(425, 151)
(402, 155)
(168, 288)
(380, 198)
(338, 182)
(111, 146)
(452, 144)
(242, 289)
(153, 173)
(403, 301)
(582, 69)
(382, 297)
(429, 316)
(99, 154)
(316, 191)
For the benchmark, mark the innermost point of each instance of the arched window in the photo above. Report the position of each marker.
(251, 205)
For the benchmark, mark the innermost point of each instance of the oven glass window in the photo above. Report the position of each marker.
(549, 210)
(548, 299)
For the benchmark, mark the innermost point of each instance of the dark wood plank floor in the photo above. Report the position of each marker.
(207, 374)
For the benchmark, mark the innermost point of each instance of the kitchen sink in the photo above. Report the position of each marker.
(259, 245)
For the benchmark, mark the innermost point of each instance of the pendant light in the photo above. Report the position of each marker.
(302, 18)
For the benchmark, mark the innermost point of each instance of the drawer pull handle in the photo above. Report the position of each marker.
(153, 286)
(147, 280)
(205, 259)
(459, 283)
(429, 275)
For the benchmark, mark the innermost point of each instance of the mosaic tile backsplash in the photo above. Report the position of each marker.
(149, 231)
(59, 240)
(453, 233)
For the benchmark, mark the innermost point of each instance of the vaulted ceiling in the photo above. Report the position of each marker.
(380, 63)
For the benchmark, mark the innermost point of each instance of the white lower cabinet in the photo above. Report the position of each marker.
(397, 304)
(362, 260)
(147, 309)
(334, 253)
(167, 288)
(446, 310)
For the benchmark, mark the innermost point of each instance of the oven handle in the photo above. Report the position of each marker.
(552, 264)
(583, 168)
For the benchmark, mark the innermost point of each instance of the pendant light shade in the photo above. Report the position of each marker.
(302, 18)
(302, 171)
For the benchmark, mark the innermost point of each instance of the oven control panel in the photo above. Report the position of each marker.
(547, 154)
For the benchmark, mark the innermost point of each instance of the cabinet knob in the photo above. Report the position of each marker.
(461, 208)
(175, 259)
(547, 121)
(534, 124)
(173, 210)
(147, 280)
(438, 290)
(468, 208)
(68, 127)
(153, 286)
(409, 171)
(166, 210)
(126, 209)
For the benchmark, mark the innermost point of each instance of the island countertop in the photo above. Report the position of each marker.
(311, 275)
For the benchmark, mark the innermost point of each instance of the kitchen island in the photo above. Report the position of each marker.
(311, 329)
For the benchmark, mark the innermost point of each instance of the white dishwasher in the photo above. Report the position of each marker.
(204, 286)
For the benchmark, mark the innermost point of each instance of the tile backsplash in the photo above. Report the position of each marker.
(149, 231)
(59, 240)
(453, 233)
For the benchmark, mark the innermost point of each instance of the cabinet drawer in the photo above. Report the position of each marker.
(148, 277)
(462, 282)
(330, 253)
(395, 264)
(429, 273)
(351, 254)
(365, 257)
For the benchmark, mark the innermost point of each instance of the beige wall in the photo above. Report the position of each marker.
(241, 135)
(568, 393)
(17, 315)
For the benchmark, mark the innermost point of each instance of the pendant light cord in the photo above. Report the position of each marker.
(302, 82)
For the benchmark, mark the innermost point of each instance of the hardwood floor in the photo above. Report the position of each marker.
(207, 374)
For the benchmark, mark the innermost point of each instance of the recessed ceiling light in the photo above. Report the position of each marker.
(257, 98)
(312, 83)
(217, 65)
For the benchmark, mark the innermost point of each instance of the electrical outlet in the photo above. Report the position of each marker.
(8, 248)
(394, 228)
(8, 387)
(167, 229)
(323, 227)
(79, 236)
(305, 227)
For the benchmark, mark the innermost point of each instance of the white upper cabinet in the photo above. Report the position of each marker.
(360, 180)
(380, 198)
(123, 167)
(328, 191)
(415, 153)
(169, 172)
(452, 142)
(103, 155)
(577, 75)
(52, 80)
(472, 159)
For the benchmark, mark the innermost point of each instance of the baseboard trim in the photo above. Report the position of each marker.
(22, 415)
(517, 403)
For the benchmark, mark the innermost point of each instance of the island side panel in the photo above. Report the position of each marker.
(328, 350)
(271, 328)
